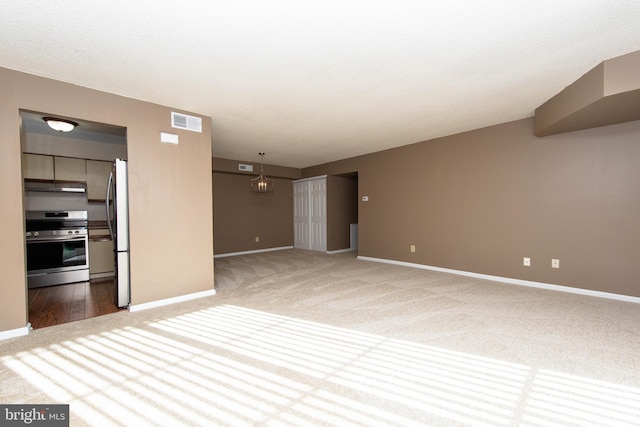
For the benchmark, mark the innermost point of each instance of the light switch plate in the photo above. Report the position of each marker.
(169, 138)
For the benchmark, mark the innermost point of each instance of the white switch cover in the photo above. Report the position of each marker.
(365, 198)
(526, 261)
(555, 263)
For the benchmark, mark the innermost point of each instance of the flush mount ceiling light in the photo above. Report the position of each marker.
(60, 125)
(261, 184)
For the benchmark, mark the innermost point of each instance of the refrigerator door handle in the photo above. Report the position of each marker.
(106, 199)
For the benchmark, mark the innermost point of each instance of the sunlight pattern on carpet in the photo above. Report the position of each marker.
(228, 365)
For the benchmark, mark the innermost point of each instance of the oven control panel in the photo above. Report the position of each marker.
(56, 233)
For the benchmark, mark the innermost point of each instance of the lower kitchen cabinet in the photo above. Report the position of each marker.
(101, 258)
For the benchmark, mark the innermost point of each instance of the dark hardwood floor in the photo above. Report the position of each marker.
(53, 305)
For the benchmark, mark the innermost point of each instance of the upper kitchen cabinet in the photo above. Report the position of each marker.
(37, 167)
(70, 169)
(42, 167)
(97, 176)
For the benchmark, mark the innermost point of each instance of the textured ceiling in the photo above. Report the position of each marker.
(315, 81)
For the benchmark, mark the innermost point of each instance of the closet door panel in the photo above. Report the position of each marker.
(318, 214)
(310, 214)
(301, 215)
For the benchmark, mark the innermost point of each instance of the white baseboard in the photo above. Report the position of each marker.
(340, 251)
(168, 301)
(257, 251)
(14, 333)
(518, 282)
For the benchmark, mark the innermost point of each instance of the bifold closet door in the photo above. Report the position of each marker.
(318, 214)
(310, 214)
(301, 215)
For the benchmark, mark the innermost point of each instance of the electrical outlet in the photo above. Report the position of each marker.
(555, 263)
(412, 248)
(526, 261)
(257, 239)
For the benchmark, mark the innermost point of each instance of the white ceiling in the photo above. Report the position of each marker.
(314, 81)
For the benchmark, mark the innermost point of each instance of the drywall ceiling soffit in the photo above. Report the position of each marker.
(608, 94)
(311, 82)
(33, 122)
(271, 171)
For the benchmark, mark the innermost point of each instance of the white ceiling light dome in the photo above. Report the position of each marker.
(60, 125)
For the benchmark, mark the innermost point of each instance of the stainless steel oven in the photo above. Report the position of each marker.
(57, 247)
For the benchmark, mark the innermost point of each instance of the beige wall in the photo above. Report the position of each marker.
(170, 191)
(606, 95)
(480, 201)
(240, 215)
(231, 166)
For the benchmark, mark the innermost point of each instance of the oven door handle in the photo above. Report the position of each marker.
(57, 239)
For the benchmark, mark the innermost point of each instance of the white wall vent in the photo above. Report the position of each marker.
(183, 121)
(245, 168)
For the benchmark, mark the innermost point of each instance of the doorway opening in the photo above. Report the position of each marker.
(346, 213)
(70, 259)
(325, 213)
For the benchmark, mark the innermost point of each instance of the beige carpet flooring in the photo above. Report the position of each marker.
(298, 338)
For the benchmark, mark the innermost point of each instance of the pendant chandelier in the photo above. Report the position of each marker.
(261, 184)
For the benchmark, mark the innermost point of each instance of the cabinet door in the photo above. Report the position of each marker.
(101, 257)
(69, 169)
(97, 176)
(37, 166)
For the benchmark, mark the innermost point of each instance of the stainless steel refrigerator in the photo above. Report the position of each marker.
(117, 203)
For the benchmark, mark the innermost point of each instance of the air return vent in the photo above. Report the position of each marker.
(183, 121)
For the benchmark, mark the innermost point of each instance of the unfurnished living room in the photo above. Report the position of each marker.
(320, 213)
